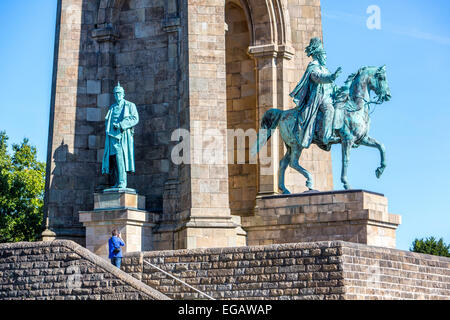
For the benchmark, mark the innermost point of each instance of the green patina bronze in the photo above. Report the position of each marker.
(118, 157)
(326, 115)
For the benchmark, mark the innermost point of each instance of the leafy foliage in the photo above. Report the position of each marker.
(22, 180)
(431, 246)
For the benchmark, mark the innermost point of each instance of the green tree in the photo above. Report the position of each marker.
(22, 180)
(431, 246)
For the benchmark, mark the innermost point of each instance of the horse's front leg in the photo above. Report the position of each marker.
(346, 147)
(371, 142)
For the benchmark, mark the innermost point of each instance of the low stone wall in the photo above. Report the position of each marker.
(318, 270)
(283, 271)
(63, 270)
(381, 273)
(315, 270)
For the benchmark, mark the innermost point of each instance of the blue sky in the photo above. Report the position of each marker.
(27, 32)
(414, 43)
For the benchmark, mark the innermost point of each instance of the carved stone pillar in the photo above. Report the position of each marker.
(106, 36)
(167, 221)
(272, 90)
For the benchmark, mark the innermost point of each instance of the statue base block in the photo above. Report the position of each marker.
(354, 215)
(121, 209)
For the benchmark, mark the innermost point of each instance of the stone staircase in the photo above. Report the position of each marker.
(64, 270)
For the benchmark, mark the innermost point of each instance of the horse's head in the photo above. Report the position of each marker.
(378, 83)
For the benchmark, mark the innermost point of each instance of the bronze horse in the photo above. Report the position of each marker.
(351, 125)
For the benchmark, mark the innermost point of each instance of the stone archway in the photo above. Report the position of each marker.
(270, 47)
(241, 109)
(257, 53)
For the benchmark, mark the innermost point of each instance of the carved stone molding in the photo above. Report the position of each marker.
(272, 50)
(106, 33)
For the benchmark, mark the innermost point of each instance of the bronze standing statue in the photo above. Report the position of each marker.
(326, 115)
(118, 157)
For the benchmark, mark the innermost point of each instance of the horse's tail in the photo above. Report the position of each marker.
(269, 123)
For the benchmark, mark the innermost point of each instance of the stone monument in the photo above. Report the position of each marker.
(194, 65)
(118, 207)
(324, 115)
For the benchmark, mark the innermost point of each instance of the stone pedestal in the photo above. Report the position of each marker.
(201, 232)
(124, 210)
(354, 216)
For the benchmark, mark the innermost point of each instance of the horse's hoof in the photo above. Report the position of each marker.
(379, 172)
(283, 190)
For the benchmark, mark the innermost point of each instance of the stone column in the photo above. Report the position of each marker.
(272, 92)
(166, 222)
(306, 23)
(266, 81)
(106, 35)
(60, 197)
(204, 218)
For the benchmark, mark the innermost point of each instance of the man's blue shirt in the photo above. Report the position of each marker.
(115, 242)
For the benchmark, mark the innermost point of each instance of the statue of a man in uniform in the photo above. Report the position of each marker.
(118, 158)
(314, 93)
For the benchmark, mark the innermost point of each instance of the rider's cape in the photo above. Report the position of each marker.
(306, 96)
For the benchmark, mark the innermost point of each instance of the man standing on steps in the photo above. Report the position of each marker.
(115, 251)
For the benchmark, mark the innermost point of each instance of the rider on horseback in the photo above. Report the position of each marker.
(303, 125)
(314, 93)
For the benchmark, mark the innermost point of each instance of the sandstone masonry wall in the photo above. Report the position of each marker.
(173, 61)
(322, 270)
(288, 271)
(142, 54)
(315, 270)
(63, 270)
(381, 273)
(241, 110)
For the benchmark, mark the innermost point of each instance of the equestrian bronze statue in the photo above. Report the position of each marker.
(326, 115)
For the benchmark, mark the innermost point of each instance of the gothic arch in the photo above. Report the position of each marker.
(268, 21)
(270, 47)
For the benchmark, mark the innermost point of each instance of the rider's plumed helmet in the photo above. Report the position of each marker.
(315, 47)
